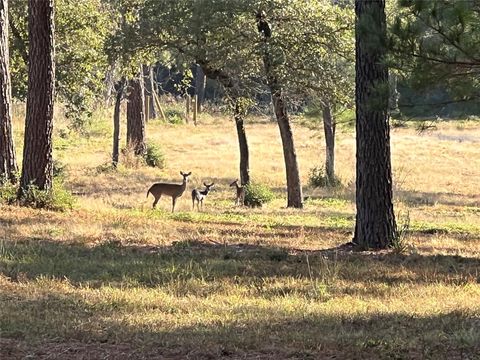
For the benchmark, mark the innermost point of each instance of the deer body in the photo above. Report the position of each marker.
(173, 190)
(199, 195)
(240, 199)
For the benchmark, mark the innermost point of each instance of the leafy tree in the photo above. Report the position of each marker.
(37, 167)
(8, 164)
(82, 27)
(375, 225)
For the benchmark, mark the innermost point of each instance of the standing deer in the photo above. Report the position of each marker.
(173, 190)
(199, 195)
(240, 200)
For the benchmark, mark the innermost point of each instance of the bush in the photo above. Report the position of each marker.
(318, 178)
(154, 156)
(257, 194)
(8, 192)
(57, 199)
(174, 116)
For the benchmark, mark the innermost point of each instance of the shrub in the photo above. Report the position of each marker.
(8, 192)
(318, 178)
(57, 199)
(257, 194)
(174, 116)
(154, 156)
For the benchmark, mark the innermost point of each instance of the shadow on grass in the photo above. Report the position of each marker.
(114, 264)
(422, 198)
(58, 325)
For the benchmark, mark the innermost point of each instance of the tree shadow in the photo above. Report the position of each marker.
(422, 198)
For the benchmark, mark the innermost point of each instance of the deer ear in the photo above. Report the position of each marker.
(190, 173)
(205, 184)
(181, 173)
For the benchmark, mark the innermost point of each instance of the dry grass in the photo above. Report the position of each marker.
(114, 279)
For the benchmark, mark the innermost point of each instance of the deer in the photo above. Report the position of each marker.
(173, 190)
(199, 195)
(240, 200)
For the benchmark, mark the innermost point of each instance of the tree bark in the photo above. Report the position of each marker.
(37, 154)
(8, 163)
(116, 121)
(136, 117)
(294, 187)
(375, 220)
(329, 129)
(149, 88)
(200, 82)
(243, 144)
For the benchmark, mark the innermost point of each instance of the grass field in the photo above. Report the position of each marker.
(113, 279)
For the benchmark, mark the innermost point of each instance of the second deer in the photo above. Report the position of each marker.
(199, 195)
(173, 190)
(240, 200)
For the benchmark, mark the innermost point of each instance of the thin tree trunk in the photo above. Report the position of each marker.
(375, 220)
(329, 129)
(200, 82)
(243, 144)
(8, 163)
(148, 90)
(136, 116)
(116, 121)
(294, 187)
(37, 154)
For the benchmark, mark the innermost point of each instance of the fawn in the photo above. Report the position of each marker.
(173, 190)
(199, 195)
(240, 200)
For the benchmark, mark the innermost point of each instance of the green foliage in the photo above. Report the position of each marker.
(8, 192)
(400, 240)
(174, 116)
(154, 156)
(318, 178)
(56, 199)
(257, 194)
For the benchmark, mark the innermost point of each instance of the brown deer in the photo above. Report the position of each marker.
(240, 200)
(199, 195)
(173, 190)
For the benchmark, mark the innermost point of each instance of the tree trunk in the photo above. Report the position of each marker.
(136, 117)
(148, 90)
(200, 82)
(375, 221)
(294, 187)
(329, 129)
(8, 163)
(116, 121)
(37, 153)
(242, 141)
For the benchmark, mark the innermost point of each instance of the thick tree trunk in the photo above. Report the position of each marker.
(8, 163)
(148, 90)
(375, 221)
(37, 153)
(329, 129)
(294, 187)
(136, 117)
(116, 121)
(200, 82)
(243, 144)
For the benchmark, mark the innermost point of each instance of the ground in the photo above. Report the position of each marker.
(113, 279)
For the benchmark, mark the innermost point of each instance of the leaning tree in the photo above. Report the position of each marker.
(375, 225)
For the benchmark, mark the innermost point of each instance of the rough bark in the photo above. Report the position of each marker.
(294, 187)
(8, 163)
(375, 220)
(243, 144)
(37, 154)
(136, 117)
(116, 121)
(329, 130)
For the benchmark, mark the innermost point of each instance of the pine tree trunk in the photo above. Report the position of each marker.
(136, 117)
(8, 163)
(116, 121)
(375, 220)
(243, 144)
(329, 129)
(37, 153)
(148, 90)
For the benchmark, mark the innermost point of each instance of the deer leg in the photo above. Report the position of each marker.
(174, 200)
(156, 201)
